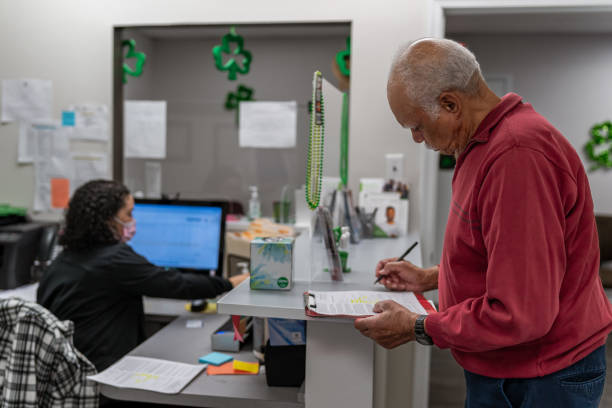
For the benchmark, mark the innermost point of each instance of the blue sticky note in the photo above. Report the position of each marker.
(68, 118)
(215, 358)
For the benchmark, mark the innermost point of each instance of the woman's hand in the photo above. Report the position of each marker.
(237, 279)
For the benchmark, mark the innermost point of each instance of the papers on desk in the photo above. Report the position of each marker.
(25, 292)
(353, 304)
(150, 374)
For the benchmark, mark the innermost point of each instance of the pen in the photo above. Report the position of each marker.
(401, 258)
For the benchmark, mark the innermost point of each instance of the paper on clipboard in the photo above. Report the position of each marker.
(353, 304)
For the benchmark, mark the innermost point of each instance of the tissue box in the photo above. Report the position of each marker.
(272, 263)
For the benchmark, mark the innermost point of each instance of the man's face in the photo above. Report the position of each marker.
(390, 213)
(439, 134)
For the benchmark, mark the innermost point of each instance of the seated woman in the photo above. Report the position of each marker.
(98, 280)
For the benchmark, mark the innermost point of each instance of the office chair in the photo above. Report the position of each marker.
(46, 251)
(41, 367)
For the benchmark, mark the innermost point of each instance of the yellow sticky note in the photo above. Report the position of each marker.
(246, 366)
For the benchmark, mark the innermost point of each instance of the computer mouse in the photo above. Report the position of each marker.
(198, 305)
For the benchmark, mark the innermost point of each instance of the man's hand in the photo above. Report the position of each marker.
(404, 276)
(391, 327)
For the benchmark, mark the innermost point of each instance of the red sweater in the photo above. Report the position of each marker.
(520, 294)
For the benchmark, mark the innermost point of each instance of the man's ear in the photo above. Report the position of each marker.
(450, 102)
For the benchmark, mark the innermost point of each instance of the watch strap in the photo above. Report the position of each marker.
(419, 331)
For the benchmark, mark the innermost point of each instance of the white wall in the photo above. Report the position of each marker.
(565, 77)
(70, 42)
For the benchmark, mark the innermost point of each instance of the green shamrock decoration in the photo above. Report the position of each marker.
(141, 57)
(233, 99)
(232, 66)
(599, 148)
(343, 56)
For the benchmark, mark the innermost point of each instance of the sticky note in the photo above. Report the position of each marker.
(60, 192)
(225, 369)
(68, 118)
(215, 358)
(246, 366)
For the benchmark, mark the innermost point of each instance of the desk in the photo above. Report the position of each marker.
(176, 342)
(339, 360)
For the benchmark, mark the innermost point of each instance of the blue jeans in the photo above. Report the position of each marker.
(577, 386)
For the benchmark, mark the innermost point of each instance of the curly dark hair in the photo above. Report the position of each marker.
(92, 207)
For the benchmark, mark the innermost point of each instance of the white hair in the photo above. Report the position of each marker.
(448, 66)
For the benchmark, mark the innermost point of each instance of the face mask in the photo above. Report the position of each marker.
(129, 229)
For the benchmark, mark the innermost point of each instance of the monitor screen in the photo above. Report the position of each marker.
(179, 236)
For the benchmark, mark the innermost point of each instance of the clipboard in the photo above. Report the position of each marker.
(415, 302)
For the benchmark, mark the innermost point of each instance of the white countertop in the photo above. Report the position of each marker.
(290, 304)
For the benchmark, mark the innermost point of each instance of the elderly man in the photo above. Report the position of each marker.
(521, 304)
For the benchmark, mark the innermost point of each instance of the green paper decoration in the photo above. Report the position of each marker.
(231, 66)
(601, 135)
(233, 99)
(342, 56)
(141, 57)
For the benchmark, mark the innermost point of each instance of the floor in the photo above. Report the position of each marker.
(447, 386)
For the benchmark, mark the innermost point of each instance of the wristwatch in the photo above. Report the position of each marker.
(419, 331)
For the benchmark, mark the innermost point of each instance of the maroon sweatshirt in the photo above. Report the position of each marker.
(520, 294)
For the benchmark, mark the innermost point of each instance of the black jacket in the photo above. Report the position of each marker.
(101, 290)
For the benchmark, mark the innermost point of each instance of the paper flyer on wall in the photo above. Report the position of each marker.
(268, 124)
(26, 147)
(87, 167)
(149, 374)
(90, 122)
(153, 179)
(144, 129)
(53, 166)
(26, 99)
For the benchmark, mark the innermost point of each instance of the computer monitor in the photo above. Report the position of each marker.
(180, 233)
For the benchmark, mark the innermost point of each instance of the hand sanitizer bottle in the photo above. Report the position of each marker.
(345, 238)
(254, 206)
